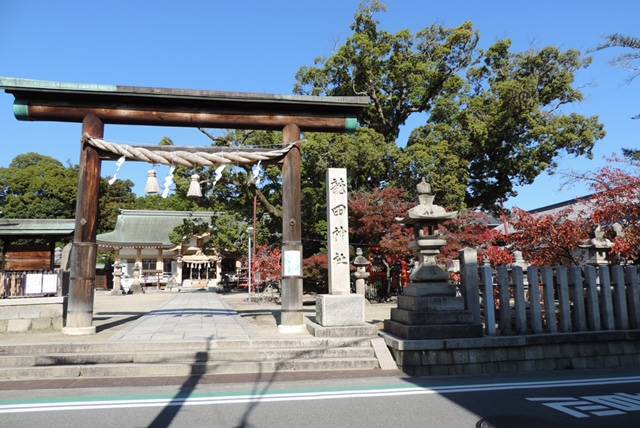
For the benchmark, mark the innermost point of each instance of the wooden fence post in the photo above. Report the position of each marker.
(619, 298)
(505, 312)
(489, 303)
(549, 300)
(534, 300)
(469, 270)
(563, 297)
(521, 311)
(579, 316)
(593, 309)
(606, 303)
(633, 295)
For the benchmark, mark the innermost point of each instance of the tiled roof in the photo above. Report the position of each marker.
(36, 227)
(148, 227)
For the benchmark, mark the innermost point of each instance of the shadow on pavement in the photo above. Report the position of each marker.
(262, 383)
(169, 412)
(114, 323)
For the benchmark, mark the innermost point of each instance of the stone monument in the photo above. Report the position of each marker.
(338, 308)
(429, 308)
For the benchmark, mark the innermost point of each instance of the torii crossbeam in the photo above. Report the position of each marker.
(96, 105)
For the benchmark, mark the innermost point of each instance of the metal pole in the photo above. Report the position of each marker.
(255, 227)
(249, 264)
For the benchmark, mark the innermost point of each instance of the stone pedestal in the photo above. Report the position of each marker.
(339, 310)
(431, 317)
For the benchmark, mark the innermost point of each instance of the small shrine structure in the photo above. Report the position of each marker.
(144, 254)
(29, 244)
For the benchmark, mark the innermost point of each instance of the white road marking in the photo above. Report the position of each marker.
(592, 405)
(316, 395)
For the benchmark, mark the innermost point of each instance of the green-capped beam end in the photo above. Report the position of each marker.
(21, 111)
(351, 125)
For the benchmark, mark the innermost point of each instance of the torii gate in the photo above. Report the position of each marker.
(96, 105)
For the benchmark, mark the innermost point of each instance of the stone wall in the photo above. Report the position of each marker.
(27, 314)
(516, 354)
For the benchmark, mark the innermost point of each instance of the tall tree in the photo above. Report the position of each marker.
(505, 126)
(402, 73)
(495, 118)
(38, 186)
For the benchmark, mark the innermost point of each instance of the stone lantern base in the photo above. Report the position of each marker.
(431, 317)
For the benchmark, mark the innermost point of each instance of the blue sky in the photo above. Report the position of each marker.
(258, 46)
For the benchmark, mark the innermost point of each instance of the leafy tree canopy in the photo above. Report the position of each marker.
(38, 186)
(494, 117)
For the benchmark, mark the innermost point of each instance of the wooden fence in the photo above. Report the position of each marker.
(30, 284)
(512, 301)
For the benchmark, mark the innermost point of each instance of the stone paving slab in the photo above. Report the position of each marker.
(188, 316)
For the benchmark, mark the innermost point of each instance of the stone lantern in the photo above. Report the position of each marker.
(429, 308)
(361, 274)
(597, 249)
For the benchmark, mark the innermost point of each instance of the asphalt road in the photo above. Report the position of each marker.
(556, 400)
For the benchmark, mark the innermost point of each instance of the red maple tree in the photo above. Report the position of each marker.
(548, 239)
(469, 229)
(267, 263)
(617, 200)
(372, 221)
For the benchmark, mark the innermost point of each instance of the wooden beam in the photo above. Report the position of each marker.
(79, 319)
(201, 119)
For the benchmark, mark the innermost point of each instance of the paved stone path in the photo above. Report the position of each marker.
(188, 316)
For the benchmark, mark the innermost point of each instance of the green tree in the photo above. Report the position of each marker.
(229, 234)
(38, 186)
(113, 198)
(505, 127)
(495, 118)
(402, 73)
(370, 163)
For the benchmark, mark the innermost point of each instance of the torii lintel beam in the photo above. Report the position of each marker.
(71, 102)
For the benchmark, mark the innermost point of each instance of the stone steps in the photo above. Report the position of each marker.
(185, 369)
(156, 357)
(306, 342)
(142, 359)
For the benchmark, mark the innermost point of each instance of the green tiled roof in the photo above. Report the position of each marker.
(36, 227)
(148, 227)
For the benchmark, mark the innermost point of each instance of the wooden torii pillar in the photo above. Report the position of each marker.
(95, 105)
(79, 319)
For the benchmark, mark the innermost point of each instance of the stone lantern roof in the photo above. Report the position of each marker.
(426, 211)
(360, 260)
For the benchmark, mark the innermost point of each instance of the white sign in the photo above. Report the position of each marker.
(291, 263)
(50, 283)
(33, 283)
(338, 231)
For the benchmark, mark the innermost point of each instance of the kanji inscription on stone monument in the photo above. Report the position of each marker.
(338, 231)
